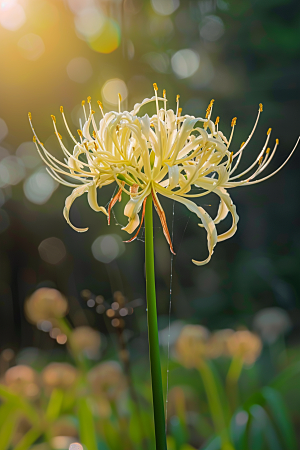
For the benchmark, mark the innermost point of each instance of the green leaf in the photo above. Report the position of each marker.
(8, 421)
(262, 430)
(212, 444)
(256, 440)
(29, 439)
(87, 431)
(281, 417)
(239, 429)
(54, 405)
(282, 381)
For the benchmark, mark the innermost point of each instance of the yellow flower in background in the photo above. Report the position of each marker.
(181, 157)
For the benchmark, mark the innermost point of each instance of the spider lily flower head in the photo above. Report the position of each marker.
(167, 154)
(86, 340)
(191, 345)
(59, 376)
(107, 380)
(23, 380)
(45, 304)
(244, 345)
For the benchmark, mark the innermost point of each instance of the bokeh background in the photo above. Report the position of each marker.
(58, 52)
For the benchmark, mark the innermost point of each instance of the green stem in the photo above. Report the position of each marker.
(157, 390)
(215, 405)
(232, 379)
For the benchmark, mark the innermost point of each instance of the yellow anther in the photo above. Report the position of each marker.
(95, 145)
(233, 122)
(34, 139)
(261, 107)
(177, 98)
(242, 144)
(86, 146)
(231, 156)
(120, 97)
(80, 133)
(58, 135)
(29, 115)
(94, 134)
(164, 93)
(155, 86)
(217, 120)
(100, 104)
(260, 160)
(41, 144)
(83, 102)
(53, 118)
(268, 150)
(89, 99)
(277, 141)
(61, 109)
(92, 111)
(208, 109)
(269, 131)
(179, 111)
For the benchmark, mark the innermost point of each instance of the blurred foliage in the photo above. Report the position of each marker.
(242, 53)
(216, 398)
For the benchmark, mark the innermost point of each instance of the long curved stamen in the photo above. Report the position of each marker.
(119, 102)
(66, 124)
(257, 159)
(233, 124)
(84, 111)
(252, 132)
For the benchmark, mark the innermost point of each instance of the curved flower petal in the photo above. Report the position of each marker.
(173, 176)
(228, 204)
(68, 203)
(132, 209)
(212, 237)
(92, 199)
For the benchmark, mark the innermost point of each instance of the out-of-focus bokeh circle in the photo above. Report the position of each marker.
(89, 22)
(75, 446)
(108, 38)
(79, 69)
(3, 129)
(29, 155)
(39, 187)
(77, 6)
(185, 63)
(111, 89)
(12, 16)
(212, 28)
(107, 248)
(12, 171)
(165, 7)
(31, 46)
(158, 61)
(52, 250)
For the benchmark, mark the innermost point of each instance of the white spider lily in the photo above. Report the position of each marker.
(166, 154)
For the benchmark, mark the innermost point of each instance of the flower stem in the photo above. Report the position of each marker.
(215, 405)
(157, 390)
